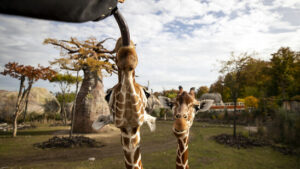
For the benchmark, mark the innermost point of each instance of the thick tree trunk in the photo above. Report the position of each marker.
(90, 102)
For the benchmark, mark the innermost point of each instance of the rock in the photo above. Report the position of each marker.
(213, 96)
(40, 101)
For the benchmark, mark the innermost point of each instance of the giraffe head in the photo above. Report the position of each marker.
(184, 112)
(126, 60)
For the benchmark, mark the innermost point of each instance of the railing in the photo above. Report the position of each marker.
(229, 106)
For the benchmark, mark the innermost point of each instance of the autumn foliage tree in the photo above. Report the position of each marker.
(29, 74)
(92, 58)
(251, 103)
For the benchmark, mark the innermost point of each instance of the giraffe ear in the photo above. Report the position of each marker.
(205, 105)
(166, 102)
(146, 93)
(108, 94)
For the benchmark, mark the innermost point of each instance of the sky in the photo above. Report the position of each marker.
(179, 42)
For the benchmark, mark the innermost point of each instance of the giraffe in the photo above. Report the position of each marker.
(184, 113)
(127, 101)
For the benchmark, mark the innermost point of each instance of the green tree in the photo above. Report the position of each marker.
(284, 72)
(172, 93)
(219, 87)
(201, 90)
(255, 78)
(233, 79)
(65, 81)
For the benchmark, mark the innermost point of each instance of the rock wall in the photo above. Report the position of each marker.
(40, 101)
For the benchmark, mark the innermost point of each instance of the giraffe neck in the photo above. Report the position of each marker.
(130, 139)
(129, 104)
(182, 152)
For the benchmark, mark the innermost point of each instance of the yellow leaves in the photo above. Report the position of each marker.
(241, 100)
(96, 65)
(251, 102)
(49, 41)
(79, 54)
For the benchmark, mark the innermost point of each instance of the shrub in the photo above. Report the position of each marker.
(156, 112)
(7, 109)
(69, 97)
(34, 116)
(285, 128)
(51, 106)
(220, 116)
(296, 98)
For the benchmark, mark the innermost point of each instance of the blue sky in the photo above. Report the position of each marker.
(178, 41)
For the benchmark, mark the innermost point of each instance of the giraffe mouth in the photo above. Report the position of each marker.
(179, 132)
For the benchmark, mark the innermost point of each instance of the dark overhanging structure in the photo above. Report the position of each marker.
(76, 11)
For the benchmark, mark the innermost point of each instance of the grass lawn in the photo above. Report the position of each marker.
(158, 151)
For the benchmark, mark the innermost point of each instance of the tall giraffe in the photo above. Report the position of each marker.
(184, 113)
(127, 101)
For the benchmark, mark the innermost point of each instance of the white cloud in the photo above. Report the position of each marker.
(294, 4)
(178, 42)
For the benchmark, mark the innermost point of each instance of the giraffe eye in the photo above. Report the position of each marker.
(177, 116)
(185, 116)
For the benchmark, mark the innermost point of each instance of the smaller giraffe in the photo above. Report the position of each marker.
(184, 113)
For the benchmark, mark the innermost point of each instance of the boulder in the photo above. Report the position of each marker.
(40, 101)
(217, 97)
